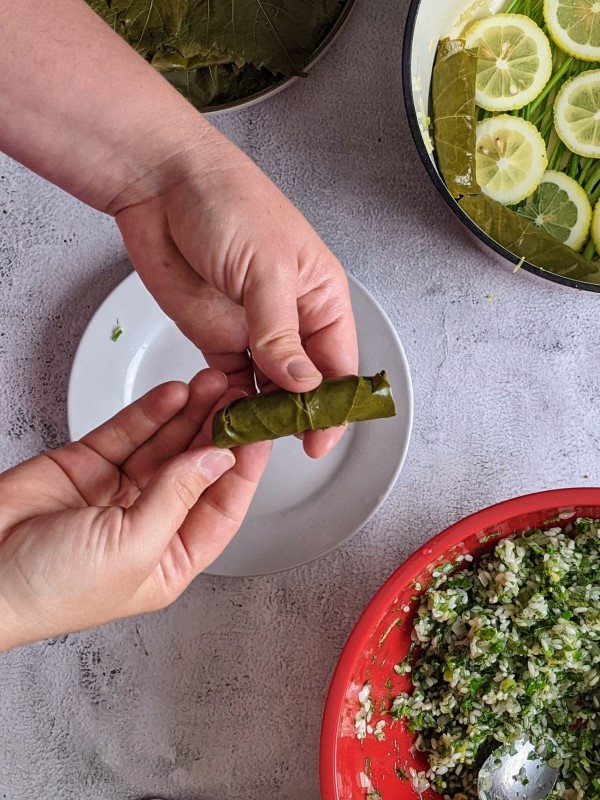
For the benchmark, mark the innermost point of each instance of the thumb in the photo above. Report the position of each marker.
(162, 507)
(272, 312)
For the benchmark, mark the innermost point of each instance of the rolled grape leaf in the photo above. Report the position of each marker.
(455, 116)
(272, 415)
(527, 241)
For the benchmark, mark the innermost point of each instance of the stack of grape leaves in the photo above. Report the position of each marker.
(219, 51)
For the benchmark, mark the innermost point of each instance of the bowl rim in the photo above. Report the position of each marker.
(411, 113)
(275, 88)
(450, 537)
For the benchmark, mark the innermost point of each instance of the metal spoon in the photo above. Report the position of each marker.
(516, 773)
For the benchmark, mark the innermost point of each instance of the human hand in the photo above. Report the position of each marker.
(238, 268)
(121, 522)
(225, 254)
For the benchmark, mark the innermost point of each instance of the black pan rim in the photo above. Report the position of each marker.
(411, 113)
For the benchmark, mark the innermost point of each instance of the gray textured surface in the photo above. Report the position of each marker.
(220, 696)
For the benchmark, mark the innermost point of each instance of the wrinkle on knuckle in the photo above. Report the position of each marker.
(222, 510)
(125, 477)
(152, 415)
(334, 286)
(334, 308)
(281, 266)
(282, 339)
(110, 521)
(186, 491)
(106, 530)
(123, 433)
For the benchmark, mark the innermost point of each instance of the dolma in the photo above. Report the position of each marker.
(527, 241)
(336, 401)
(455, 116)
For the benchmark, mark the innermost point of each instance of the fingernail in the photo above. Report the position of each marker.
(301, 369)
(216, 463)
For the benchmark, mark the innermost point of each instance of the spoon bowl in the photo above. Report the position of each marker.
(516, 772)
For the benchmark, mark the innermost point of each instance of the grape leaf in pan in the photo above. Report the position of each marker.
(279, 35)
(455, 116)
(527, 241)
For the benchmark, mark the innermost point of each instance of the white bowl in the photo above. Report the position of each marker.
(429, 21)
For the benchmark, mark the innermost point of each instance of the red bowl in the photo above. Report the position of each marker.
(382, 636)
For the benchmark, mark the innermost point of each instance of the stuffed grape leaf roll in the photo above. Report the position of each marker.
(337, 401)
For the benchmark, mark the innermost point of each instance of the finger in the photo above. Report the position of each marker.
(329, 337)
(237, 367)
(216, 518)
(162, 507)
(203, 314)
(270, 300)
(319, 443)
(219, 513)
(327, 323)
(122, 435)
(204, 435)
(205, 389)
(328, 328)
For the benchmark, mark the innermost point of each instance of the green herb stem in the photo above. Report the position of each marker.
(589, 251)
(546, 131)
(557, 154)
(515, 6)
(537, 13)
(584, 171)
(572, 167)
(545, 125)
(552, 83)
(592, 181)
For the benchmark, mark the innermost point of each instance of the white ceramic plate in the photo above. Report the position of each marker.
(303, 508)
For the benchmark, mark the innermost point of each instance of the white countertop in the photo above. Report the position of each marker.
(220, 696)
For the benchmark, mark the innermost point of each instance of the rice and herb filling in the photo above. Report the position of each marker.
(510, 647)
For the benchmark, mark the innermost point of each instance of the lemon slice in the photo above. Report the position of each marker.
(514, 61)
(595, 230)
(561, 207)
(510, 158)
(577, 114)
(574, 25)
